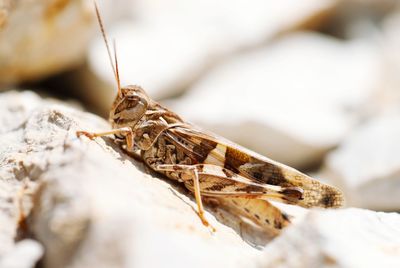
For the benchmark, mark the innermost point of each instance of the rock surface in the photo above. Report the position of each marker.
(13, 110)
(87, 204)
(38, 37)
(88, 197)
(170, 44)
(25, 254)
(300, 95)
(389, 98)
(343, 238)
(367, 166)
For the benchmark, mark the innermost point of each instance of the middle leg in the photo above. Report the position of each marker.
(193, 175)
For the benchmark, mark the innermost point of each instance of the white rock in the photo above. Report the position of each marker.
(367, 165)
(8, 224)
(291, 101)
(388, 98)
(15, 108)
(25, 254)
(36, 37)
(361, 18)
(170, 44)
(342, 238)
(94, 207)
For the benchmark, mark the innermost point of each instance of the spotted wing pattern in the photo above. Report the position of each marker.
(208, 148)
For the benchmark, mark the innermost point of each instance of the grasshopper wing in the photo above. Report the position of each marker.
(208, 148)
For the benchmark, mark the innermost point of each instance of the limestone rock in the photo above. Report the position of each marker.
(88, 204)
(360, 18)
(342, 238)
(291, 101)
(91, 205)
(25, 254)
(367, 165)
(36, 37)
(170, 44)
(389, 98)
(14, 110)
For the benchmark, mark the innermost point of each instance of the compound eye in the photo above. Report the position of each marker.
(130, 110)
(127, 103)
(132, 101)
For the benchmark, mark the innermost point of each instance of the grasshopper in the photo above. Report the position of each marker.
(208, 165)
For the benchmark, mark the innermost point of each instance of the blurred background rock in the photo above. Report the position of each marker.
(311, 83)
(314, 84)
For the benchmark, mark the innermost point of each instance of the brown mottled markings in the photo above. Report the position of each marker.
(267, 221)
(277, 224)
(285, 217)
(195, 150)
(328, 200)
(292, 194)
(200, 168)
(235, 158)
(277, 177)
(254, 168)
(258, 175)
(227, 173)
(247, 210)
(202, 150)
(266, 173)
(133, 102)
(250, 189)
(176, 168)
(256, 215)
(123, 121)
(216, 187)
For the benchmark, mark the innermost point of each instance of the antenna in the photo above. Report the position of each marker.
(116, 66)
(103, 32)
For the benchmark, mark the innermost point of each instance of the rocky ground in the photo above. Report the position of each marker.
(313, 84)
(73, 202)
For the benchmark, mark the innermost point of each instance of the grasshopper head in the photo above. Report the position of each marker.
(129, 106)
(131, 102)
